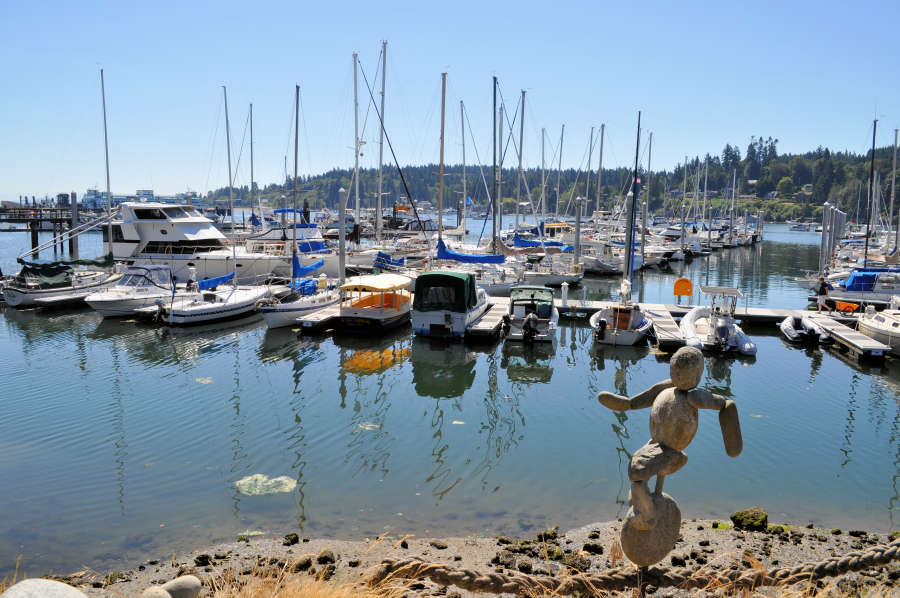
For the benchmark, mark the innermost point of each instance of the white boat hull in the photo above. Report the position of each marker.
(286, 314)
(19, 297)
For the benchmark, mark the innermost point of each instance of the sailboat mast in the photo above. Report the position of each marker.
(494, 167)
(893, 181)
(521, 152)
(296, 153)
(543, 177)
(587, 189)
(705, 198)
(461, 213)
(356, 137)
(380, 144)
(600, 168)
(106, 151)
(629, 226)
(647, 202)
(499, 198)
(731, 213)
(562, 132)
(871, 192)
(441, 168)
(230, 188)
(251, 162)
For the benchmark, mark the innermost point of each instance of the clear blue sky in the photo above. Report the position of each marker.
(807, 73)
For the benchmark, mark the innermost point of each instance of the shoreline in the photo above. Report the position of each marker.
(703, 543)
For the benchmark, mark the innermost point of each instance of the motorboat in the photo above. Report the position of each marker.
(883, 326)
(55, 283)
(714, 328)
(532, 316)
(374, 303)
(622, 324)
(140, 286)
(182, 238)
(446, 303)
(801, 329)
(217, 299)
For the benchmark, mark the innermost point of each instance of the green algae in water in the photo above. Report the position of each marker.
(259, 483)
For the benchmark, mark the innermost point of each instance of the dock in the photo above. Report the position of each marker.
(857, 343)
(668, 334)
(320, 319)
(487, 327)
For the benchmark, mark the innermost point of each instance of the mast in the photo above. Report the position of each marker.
(683, 200)
(600, 167)
(106, 151)
(709, 216)
(559, 168)
(461, 214)
(380, 144)
(498, 199)
(647, 202)
(251, 162)
(441, 169)
(521, 152)
(629, 226)
(893, 181)
(871, 193)
(494, 167)
(587, 185)
(294, 204)
(356, 139)
(230, 189)
(543, 178)
(731, 214)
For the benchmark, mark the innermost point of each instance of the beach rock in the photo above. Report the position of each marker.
(752, 519)
(577, 562)
(202, 560)
(593, 547)
(524, 566)
(440, 545)
(548, 535)
(42, 588)
(678, 560)
(325, 557)
(187, 586)
(290, 540)
(155, 592)
(703, 542)
(836, 531)
(328, 571)
(404, 544)
(501, 540)
(647, 547)
(302, 564)
(353, 563)
(857, 533)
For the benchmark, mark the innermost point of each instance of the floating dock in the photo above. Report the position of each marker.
(668, 334)
(487, 327)
(857, 343)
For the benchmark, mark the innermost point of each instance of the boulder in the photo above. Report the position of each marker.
(753, 519)
(186, 586)
(42, 588)
(155, 592)
(326, 557)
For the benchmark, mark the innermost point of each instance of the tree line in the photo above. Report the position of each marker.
(785, 186)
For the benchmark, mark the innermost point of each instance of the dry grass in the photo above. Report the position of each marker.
(283, 585)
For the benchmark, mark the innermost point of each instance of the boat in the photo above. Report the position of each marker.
(306, 295)
(713, 328)
(446, 303)
(883, 326)
(374, 303)
(622, 324)
(140, 286)
(532, 316)
(55, 283)
(801, 329)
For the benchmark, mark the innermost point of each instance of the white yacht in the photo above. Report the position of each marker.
(140, 286)
(217, 299)
(445, 303)
(883, 326)
(182, 238)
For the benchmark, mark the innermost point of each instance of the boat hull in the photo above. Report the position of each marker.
(286, 314)
(19, 297)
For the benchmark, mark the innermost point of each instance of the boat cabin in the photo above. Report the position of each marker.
(375, 301)
(152, 228)
(528, 299)
(450, 291)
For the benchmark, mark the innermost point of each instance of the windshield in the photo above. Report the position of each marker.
(531, 295)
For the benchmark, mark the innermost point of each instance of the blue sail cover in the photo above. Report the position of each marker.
(520, 242)
(299, 271)
(306, 286)
(254, 220)
(384, 260)
(211, 283)
(470, 258)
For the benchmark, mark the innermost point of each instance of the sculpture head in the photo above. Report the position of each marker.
(686, 368)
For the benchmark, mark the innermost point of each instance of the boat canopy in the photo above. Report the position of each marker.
(211, 283)
(439, 290)
(45, 276)
(520, 242)
(530, 293)
(725, 291)
(104, 262)
(159, 275)
(377, 282)
(470, 258)
(861, 282)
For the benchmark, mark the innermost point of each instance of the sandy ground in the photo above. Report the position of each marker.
(586, 548)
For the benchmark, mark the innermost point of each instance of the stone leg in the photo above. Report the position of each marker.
(652, 459)
(642, 503)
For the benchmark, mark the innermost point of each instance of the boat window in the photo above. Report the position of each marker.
(439, 298)
(192, 212)
(174, 212)
(149, 214)
(118, 235)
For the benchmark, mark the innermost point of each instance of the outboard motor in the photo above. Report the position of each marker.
(504, 327)
(722, 332)
(530, 328)
(601, 328)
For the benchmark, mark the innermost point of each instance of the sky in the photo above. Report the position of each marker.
(703, 74)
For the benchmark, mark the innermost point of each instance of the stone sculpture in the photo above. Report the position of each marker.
(653, 522)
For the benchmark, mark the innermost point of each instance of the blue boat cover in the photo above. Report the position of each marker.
(470, 258)
(254, 220)
(861, 282)
(384, 260)
(520, 242)
(298, 271)
(305, 286)
(211, 283)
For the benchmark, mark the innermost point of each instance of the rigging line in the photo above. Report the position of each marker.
(287, 143)
(241, 147)
(481, 170)
(387, 138)
(574, 186)
(212, 144)
(307, 155)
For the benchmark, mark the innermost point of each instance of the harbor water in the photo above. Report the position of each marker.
(122, 441)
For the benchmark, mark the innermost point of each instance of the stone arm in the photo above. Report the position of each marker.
(728, 418)
(639, 401)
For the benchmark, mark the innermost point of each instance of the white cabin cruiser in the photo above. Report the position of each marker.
(883, 326)
(140, 286)
(714, 328)
(446, 303)
(532, 315)
(182, 238)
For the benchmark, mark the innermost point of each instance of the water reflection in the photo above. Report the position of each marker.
(621, 358)
(441, 369)
(528, 362)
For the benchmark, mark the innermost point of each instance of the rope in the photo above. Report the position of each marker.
(617, 579)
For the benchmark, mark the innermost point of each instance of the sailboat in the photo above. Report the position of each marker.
(211, 303)
(307, 294)
(624, 323)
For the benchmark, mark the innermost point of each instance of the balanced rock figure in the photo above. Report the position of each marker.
(653, 522)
